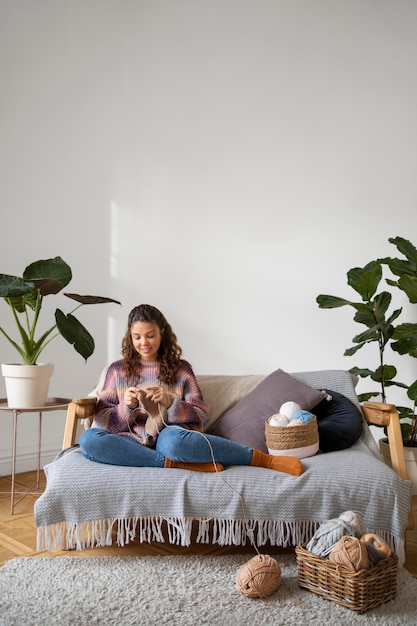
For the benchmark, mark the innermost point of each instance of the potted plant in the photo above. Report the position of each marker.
(376, 313)
(24, 297)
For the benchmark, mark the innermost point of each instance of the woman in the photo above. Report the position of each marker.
(151, 412)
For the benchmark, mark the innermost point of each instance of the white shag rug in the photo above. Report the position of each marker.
(175, 590)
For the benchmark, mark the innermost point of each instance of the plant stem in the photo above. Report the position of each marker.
(14, 344)
(381, 362)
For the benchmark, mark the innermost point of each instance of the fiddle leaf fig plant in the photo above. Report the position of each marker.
(375, 310)
(405, 334)
(24, 296)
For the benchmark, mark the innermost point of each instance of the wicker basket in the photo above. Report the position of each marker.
(358, 591)
(301, 440)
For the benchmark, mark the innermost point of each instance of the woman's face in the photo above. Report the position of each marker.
(146, 339)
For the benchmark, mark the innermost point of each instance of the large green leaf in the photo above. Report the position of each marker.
(412, 391)
(365, 280)
(406, 248)
(90, 299)
(408, 346)
(381, 303)
(405, 336)
(409, 285)
(20, 304)
(14, 287)
(365, 315)
(353, 350)
(394, 383)
(403, 331)
(49, 275)
(331, 302)
(361, 372)
(398, 267)
(402, 267)
(75, 333)
(394, 316)
(368, 335)
(386, 373)
(364, 397)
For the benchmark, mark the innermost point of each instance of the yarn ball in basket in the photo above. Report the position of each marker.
(355, 521)
(329, 533)
(289, 408)
(377, 548)
(351, 554)
(302, 417)
(295, 422)
(279, 419)
(259, 577)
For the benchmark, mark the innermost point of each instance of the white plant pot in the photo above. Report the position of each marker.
(410, 454)
(26, 385)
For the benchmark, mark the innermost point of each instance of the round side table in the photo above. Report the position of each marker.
(51, 404)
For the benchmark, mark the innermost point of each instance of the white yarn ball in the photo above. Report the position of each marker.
(355, 521)
(278, 420)
(289, 408)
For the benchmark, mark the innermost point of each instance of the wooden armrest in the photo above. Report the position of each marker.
(387, 415)
(381, 414)
(378, 413)
(78, 409)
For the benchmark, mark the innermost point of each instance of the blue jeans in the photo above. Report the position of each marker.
(174, 442)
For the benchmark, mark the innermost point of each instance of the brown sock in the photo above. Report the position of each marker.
(195, 467)
(287, 464)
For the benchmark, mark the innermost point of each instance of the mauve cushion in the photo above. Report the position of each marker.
(245, 422)
(339, 421)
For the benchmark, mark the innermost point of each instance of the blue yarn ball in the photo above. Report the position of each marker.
(303, 416)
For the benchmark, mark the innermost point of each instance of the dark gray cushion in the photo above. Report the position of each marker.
(339, 421)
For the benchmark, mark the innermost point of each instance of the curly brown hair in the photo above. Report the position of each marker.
(169, 352)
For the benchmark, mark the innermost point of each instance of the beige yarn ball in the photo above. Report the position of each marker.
(350, 553)
(259, 577)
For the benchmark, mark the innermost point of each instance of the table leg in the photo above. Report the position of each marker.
(52, 404)
(39, 450)
(13, 460)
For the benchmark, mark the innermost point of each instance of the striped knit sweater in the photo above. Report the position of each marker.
(187, 409)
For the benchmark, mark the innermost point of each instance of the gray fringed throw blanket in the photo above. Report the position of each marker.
(86, 501)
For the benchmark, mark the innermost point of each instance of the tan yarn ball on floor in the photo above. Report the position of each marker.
(259, 577)
(350, 553)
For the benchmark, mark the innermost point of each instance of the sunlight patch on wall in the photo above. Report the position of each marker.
(113, 339)
(114, 239)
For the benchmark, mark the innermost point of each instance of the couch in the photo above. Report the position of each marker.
(87, 504)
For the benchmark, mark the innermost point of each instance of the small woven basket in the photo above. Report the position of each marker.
(287, 438)
(358, 591)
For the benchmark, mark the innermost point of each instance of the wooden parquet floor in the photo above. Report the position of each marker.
(18, 531)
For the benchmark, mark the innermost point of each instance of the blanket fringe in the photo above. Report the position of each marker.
(178, 531)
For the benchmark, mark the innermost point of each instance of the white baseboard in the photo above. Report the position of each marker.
(27, 456)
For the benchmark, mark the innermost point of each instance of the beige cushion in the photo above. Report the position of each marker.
(222, 392)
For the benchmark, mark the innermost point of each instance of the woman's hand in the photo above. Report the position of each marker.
(158, 394)
(131, 397)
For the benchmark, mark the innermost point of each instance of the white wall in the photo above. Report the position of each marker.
(226, 161)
